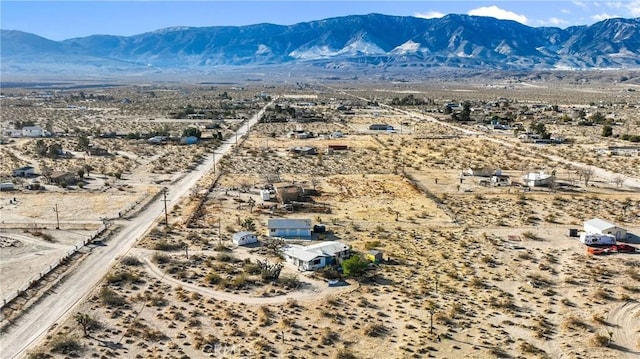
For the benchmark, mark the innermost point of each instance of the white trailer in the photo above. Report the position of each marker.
(597, 239)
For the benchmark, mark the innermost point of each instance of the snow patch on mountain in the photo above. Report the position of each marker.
(408, 47)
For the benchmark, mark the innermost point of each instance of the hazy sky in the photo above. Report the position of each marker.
(58, 20)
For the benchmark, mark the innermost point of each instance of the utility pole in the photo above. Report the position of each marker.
(55, 209)
(219, 235)
(214, 163)
(166, 214)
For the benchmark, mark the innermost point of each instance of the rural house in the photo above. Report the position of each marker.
(97, 151)
(315, 256)
(32, 131)
(480, 172)
(602, 227)
(380, 127)
(26, 171)
(63, 178)
(289, 228)
(244, 238)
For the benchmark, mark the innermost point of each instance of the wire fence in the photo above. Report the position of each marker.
(10, 297)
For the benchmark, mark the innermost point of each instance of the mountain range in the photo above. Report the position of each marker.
(371, 41)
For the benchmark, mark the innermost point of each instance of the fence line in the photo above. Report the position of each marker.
(52, 266)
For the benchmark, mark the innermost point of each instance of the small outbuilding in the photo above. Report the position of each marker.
(26, 171)
(244, 238)
(374, 256)
(600, 226)
(537, 179)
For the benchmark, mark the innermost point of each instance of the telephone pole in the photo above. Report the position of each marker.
(166, 214)
(55, 209)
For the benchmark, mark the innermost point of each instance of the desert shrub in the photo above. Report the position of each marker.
(168, 246)
(599, 340)
(39, 355)
(329, 337)
(372, 244)
(161, 258)
(251, 268)
(239, 281)
(572, 322)
(111, 298)
(329, 272)
(374, 330)
(122, 277)
(221, 248)
(344, 353)
(289, 280)
(131, 261)
(528, 348)
(530, 235)
(212, 278)
(66, 345)
(226, 257)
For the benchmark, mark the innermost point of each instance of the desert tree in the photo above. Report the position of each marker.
(83, 143)
(626, 205)
(86, 322)
(354, 266)
(618, 181)
(248, 224)
(586, 174)
(432, 308)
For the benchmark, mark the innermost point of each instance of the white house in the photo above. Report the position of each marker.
(289, 228)
(600, 226)
(537, 179)
(315, 256)
(244, 238)
(480, 172)
(32, 131)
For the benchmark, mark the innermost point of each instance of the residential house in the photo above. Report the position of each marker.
(63, 178)
(480, 172)
(317, 255)
(26, 171)
(537, 179)
(380, 127)
(602, 227)
(289, 228)
(244, 238)
(32, 131)
(97, 151)
(13, 133)
(305, 150)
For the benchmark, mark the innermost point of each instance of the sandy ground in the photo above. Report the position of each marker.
(470, 271)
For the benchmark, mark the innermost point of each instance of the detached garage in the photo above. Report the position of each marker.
(289, 228)
(600, 226)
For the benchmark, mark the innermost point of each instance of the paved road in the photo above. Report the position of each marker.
(31, 327)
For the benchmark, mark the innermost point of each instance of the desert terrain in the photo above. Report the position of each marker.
(470, 270)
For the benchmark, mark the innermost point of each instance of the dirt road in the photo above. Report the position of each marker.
(53, 307)
(625, 321)
(629, 181)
